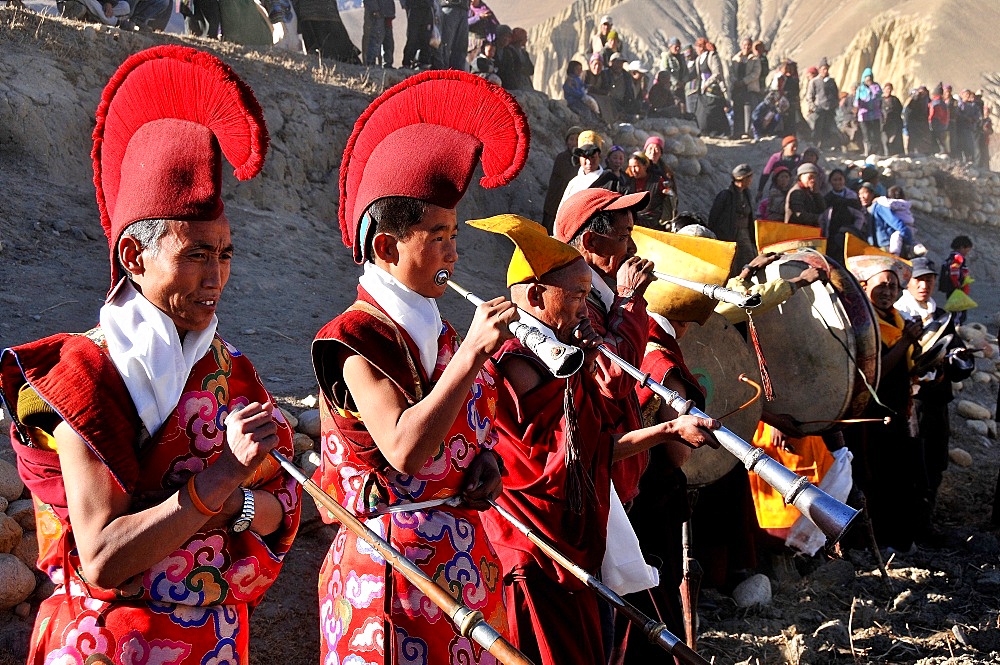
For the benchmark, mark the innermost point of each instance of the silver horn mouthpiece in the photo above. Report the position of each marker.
(442, 277)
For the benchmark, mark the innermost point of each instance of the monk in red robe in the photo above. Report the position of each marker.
(407, 411)
(161, 518)
(598, 223)
(558, 439)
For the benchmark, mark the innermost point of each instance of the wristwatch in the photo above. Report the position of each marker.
(242, 522)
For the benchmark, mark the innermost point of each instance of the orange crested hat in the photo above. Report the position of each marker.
(698, 259)
(165, 120)
(535, 251)
(423, 139)
(780, 237)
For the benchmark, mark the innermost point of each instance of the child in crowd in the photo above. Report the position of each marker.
(955, 272)
(575, 93)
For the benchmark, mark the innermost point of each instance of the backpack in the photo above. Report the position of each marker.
(944, 276)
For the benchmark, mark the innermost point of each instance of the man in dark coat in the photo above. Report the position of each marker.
(564, 168)
(804, 204)
(892, 121)
(731, 218)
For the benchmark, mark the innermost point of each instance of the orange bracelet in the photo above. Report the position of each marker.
(196, 500)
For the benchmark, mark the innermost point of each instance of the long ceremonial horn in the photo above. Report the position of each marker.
(830, 515)
(713, 291)
(470, 623)
(562, 360)
(656, 631)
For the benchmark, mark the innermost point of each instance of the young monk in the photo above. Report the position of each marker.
(407, 411)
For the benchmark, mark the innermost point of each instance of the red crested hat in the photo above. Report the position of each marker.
(423, 139)
(165, 119)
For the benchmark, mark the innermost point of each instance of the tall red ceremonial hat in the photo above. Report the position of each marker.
(423, 139)
(165, 120)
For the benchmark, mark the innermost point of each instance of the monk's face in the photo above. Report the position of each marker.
(429, 247)
(607, 252)
(564, 300)
(883, 290)
(184, 278)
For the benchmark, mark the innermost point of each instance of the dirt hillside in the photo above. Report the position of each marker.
(291, 274)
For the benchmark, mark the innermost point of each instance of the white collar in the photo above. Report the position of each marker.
(663, 323)
(603, 290)
(147, 350)
(417, 315)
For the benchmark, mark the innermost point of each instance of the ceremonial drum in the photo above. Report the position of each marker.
(821, 345)
(716, 354)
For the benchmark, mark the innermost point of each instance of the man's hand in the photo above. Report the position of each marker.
(763, 260)
(788, 425)
(634, 275)
(912, 330)
(491, 325)
(251, 434)
(587, 339)
(694, 432)
(812, 274)
(482, 481)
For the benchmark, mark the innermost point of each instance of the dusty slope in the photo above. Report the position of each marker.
(291, 273)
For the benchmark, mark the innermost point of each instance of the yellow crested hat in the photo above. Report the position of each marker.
(535, 252)
(864, 261)
(697, 259)
(781, 237)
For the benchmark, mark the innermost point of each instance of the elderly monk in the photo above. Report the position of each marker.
(888, 465)
(558, 439)
(407, 411)
(161, 518)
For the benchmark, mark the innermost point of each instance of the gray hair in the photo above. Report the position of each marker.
(148, 233)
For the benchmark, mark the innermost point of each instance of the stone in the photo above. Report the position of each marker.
(3, 505)
(27, 549)
(22, 511)
(309, 401)
(957, 386)
(10, 483)
(16, 581)
(991, 429)
(10, 533)
(755, 590)
(960, 457)
(309, 422)
(309, 461)
(973, 411)
(862, 613)
(978, 426)
(981, 377)
(22, 610)
(834, 574)
(303, 442)
(834, 632)
(292, 421)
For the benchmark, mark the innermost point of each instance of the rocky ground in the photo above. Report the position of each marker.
(291, 274)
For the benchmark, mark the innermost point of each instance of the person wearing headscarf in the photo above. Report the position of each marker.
(773, 206)
(868, 106)
(662, 204)
(660, 100)
(939, 115)
(788, 157)
(406, 407)
(162, 519)
(916, 127)
(714, 98)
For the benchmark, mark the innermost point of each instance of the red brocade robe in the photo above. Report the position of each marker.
(553, 616)
(368, 611)
(191, 608)
(624, 330)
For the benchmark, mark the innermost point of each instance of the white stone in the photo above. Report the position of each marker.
(981, 377)
(309, 401)
(292, 421)
(973, 411)
(978, 426)
(960, 457)
(22, 511)
(309, 422)
(10, 533)
(755, 590)
(957, 386)
(16, 581)
(309, 462)
(10, 483)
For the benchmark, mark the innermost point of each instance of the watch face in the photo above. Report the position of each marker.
(239, 526)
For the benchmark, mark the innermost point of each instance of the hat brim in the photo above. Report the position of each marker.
(629, 201)
(586, 150)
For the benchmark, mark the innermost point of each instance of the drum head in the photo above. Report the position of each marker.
(816, 342)
(716, 354)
